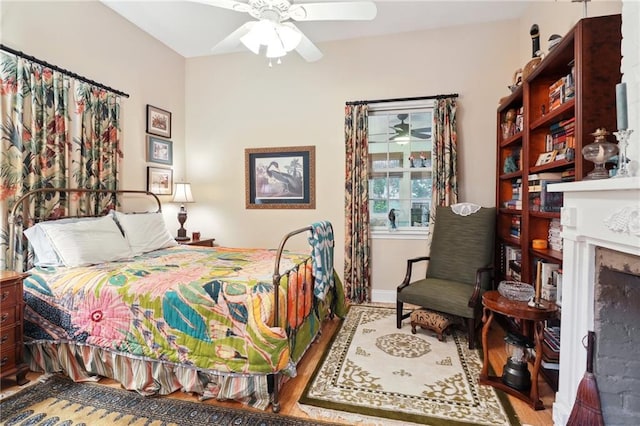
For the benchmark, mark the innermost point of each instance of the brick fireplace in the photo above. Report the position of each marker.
(601, 289)
(617, 330)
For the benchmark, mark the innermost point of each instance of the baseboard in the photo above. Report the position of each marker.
(383, 296)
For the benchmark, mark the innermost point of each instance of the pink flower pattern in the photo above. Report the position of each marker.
(106, 317)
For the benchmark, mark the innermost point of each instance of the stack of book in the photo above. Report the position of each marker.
(556, 94)
(551, 348)
(540, 198)
(516, 195)
(561, 91)
(561, 136)
(569, 175)
(512, 262)
(514, 230)
(555, 238)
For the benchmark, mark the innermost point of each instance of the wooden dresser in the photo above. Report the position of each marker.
(11, 320)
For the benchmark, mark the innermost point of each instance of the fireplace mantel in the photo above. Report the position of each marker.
(597, 213)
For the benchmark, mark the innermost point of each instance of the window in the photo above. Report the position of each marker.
(400, 159)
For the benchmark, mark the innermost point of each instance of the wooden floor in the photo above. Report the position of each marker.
(293, 389)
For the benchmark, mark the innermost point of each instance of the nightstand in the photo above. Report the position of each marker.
(11, 320)
(203, 242)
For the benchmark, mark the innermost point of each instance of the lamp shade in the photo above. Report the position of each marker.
(182, 193)
(279, 38)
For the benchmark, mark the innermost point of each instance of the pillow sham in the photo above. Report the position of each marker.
(87, 242)
(44, 253)
(144, 232)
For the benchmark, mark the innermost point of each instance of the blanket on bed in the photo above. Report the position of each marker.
(210, 309)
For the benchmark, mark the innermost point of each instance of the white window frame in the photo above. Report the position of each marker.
(400, 107)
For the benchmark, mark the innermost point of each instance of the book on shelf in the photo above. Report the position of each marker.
(545, 175)
(514, 229)
(550, 353)
(543, 200)
(549, 365)
(511, 262)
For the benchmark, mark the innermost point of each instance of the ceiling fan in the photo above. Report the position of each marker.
(274, 34)
(402, 131)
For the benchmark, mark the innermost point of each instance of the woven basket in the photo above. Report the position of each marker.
(516, 290)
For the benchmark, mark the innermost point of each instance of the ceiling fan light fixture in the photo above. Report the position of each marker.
(289, 36)
(275, 50)
(251, 41)
(278, 38)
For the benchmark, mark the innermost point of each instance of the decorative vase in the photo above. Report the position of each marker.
(599, 152)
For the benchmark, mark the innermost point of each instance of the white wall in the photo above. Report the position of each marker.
(224, 104)
(89, 39)
(236, 101)
(558, 17)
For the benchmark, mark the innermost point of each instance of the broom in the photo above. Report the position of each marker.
(586, 410)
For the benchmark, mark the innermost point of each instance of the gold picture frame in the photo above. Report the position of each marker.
(280, 178)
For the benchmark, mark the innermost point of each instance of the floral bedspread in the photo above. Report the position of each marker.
(208, 308)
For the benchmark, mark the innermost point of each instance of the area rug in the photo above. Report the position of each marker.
(374, 373)
(59, 401)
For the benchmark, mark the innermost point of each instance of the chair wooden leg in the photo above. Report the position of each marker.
(471, 329)
(399, 314)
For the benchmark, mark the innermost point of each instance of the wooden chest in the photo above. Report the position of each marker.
(11, 321)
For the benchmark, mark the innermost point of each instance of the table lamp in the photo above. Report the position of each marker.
(182, 194)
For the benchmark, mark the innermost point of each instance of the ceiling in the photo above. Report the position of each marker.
(192, 29)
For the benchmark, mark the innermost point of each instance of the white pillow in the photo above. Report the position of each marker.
(44, 253)
(145, 231)
(87, 242)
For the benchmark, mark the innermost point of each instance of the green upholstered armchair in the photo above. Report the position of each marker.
(459, 269)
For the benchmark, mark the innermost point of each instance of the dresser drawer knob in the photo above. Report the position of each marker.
(4, 360)
(4, 338)
(5, 295)
(4, 317)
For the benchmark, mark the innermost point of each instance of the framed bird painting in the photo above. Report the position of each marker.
(280, 178)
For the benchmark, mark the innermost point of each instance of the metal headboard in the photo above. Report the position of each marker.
(25, 200)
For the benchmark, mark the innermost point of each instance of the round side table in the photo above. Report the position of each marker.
(493, 302)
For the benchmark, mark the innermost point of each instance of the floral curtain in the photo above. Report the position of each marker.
(445, 162)
(357, 274)
(56, 132)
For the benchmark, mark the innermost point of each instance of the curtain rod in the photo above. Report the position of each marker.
(418, 98)
(62, 70)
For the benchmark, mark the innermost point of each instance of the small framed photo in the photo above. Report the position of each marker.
(159, 150)
(280, 178)
(545, 157)
(160, 180)
(158, 122)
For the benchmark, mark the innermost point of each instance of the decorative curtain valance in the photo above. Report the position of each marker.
(57, 131)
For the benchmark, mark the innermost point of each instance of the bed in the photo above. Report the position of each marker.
(115, 296)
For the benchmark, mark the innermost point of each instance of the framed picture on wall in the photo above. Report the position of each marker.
(159, 150)
(280, 178)
(158, 122)
(160, 180)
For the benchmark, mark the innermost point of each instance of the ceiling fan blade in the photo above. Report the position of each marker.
(230, 42)
(226, 4)
(307, 49)
(334, 11)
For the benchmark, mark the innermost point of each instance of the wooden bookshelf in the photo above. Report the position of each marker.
(588, 58)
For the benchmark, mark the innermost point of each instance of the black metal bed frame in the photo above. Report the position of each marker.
(19, 215)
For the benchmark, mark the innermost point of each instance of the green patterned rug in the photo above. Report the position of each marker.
(375, 372)
(59, 401)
